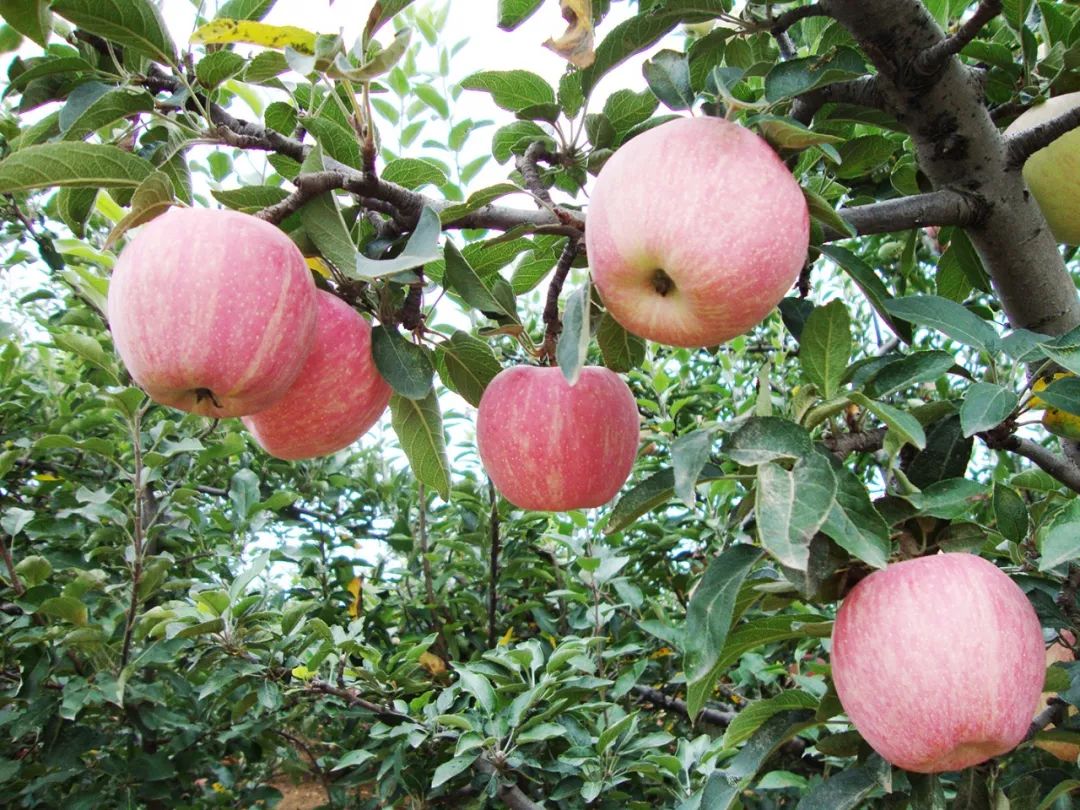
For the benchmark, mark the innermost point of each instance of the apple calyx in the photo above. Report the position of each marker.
(662, 282)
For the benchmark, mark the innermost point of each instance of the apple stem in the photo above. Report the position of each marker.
(206, 393)
(551, 307)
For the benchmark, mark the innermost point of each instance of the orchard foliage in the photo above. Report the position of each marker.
(186, 622)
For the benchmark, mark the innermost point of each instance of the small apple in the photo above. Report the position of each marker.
(695, 231)
(212, 311)
(939, 662)
(1055, 653)
(1053, 173)
(338, 396)
(551, 446)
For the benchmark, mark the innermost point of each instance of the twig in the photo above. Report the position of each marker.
(421, 531)
(1024, 144)
(324, 777)
(942, 207)
(137, 537)
(551, 306)
(308, 187)
(782, 23)
(933, 58)
(9, 563)
(528, 165)
(863, 91)
(1054, 713)
(509, 793)
(493, 574)
(843, 444)
(656, 697)
(352, 697)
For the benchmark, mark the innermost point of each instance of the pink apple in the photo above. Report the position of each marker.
(338, 396)
(938, 662)
(696, 230)
(212, 311)
(551, 446)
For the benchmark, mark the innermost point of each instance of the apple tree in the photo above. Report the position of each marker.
(189, 621)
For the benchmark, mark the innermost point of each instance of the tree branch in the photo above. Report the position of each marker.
(137, 538)
(656, 697)
(528, 165)
(1059, 467)
(9, 563)
(779, 25)
(509, 793)
(944, 207)
(842, 445)
(1024, 144)
(551, 305)
(933, 58)
(1054, 713)
(862, 91)
(493, 572)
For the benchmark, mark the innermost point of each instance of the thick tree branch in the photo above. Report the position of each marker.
(862, 91)
(944, 207)
(844, 444)
(959, 147)
(1059, 467)
(780, 24)
(656, 697)
(1024, 144)
(1054, 713)
(933, 58)
(509, 793)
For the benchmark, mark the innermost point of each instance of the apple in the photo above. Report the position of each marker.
(695, 231)
(212, 311)
(552, 446)
(939, 662)
(338, 396)
(1059, 652)
(1053, 173)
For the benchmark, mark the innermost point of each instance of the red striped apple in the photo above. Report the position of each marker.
(338, 396)
(1053, 173)
(551, 446)
(696, 230)
(212, 311)
(939, 662)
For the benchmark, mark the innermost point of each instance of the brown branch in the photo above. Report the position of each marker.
(320, 772)
(493, 573)
(933, 58)
(422, 536)
(1057, 466)
(551, 304)
(843, 444)
(9, 563)
(1067, 600)
(1024, 144)
(137, 538)
(352, 698)
(1053, 714)
(509, 793)
(943, 207)
(308, 187)
(862, 91)
(657, 698)
(779, 25)
(528, 165)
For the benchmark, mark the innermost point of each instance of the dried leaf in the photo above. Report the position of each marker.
(576, 44)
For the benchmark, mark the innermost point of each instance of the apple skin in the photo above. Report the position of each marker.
(939, 662)
(338, 396)
(212, 311)
(1053, 173)
(1055, 653)
(708, 203)
(553, 447)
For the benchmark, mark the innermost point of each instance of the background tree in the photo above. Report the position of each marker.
(188, 622)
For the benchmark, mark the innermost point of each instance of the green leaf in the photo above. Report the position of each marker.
(31, 18)
(541, 732)
(768, 438)
(792, 505)
(513, 13)
(822, 211)
(413, 173)
(324, 225)
(1060, 789)
(751, 717)
(422, 247)
(476, 201)
(72, 164)
(250, 199)
(418, 424)
(514, 139)
(986, 406)
(448, 770)
(825, 347)
(479, 687)
(512, 90)
(337, 140)
(948, 499)
(279, 116)
(218, 66)
(1059, 539)
(67, 608)
(668, 76)
(381, 13)
(135, 24)
(872, 287)
(625, 109)
(689, 454)
(1011, 513)
(904, 425)
(573, 346)
(244, 9)
(470, 365)
(353, 759)
(153, 197)
(859, 156)
(258, 565)
(918, 367)
(33, 570)
(949, 318)
(654, 491)
(784, 133)
(74, 205)
(1063, 394)
(709, 614)
(482, 294)
(797, 76)
(853, 521)
(622, 351)
(402, 363)
(848, 789)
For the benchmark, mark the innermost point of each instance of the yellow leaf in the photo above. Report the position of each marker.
(507, 637)
(302, 673)
(279, 37)
(432, 663)
(355, 588)
(663, 652)
(1062, 424)
(576, 44)
(318, 265)
(47, 477)
(1040, 384)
